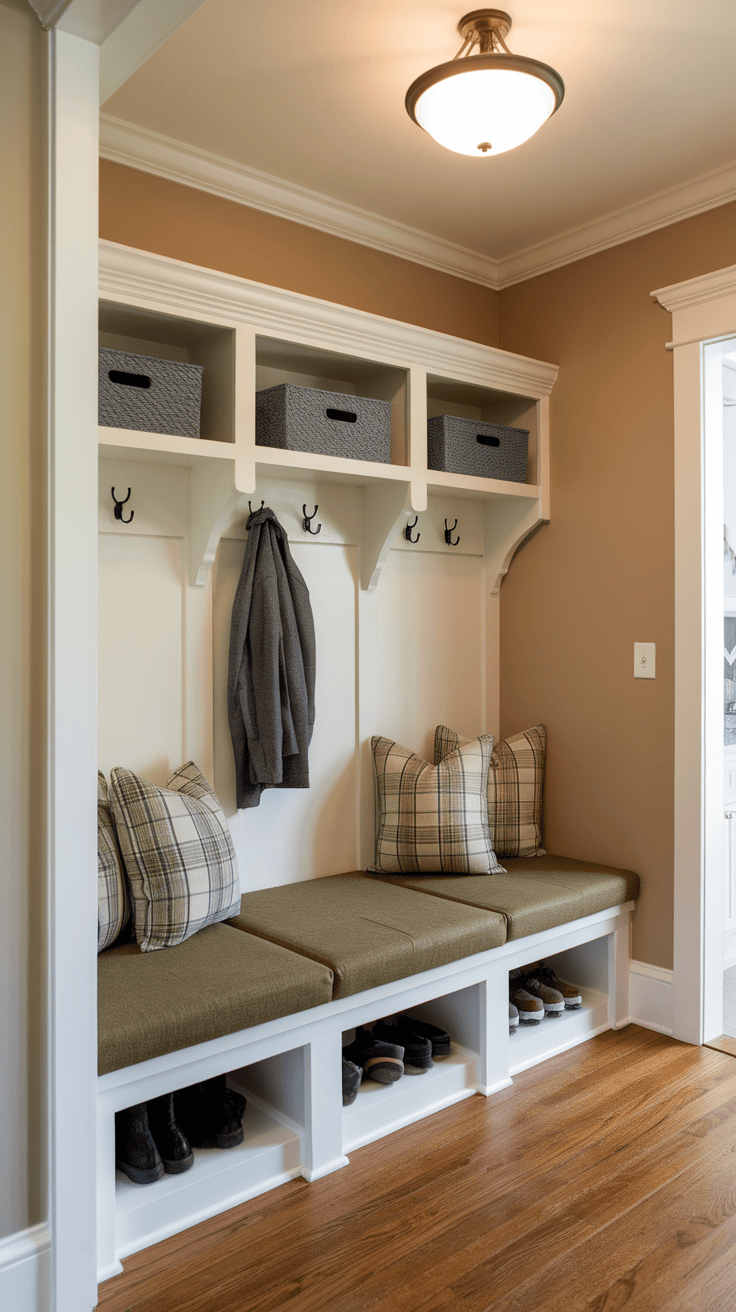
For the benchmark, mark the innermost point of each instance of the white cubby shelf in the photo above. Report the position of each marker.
(249, 336)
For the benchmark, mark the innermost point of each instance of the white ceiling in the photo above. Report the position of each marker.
(299, 108)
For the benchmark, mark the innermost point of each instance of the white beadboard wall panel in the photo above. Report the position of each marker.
(159, 499)
(297, 834)
(430, 647)
(155, 632)
(141, 655)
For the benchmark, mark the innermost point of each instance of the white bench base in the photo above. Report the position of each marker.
(290, 1070)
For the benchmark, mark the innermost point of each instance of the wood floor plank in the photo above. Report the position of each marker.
(533, 1220)
(724, 1043)
(549, 1196)
(678, 1227)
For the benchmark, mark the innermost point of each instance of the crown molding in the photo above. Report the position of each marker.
(137, 277)
(702, 308)
(706, 192)
(695, 291)
(139, 148)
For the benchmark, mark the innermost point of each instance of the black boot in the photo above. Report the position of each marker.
(176, 1153)
(208, 1115)
(238, 1102)
(135, 1151)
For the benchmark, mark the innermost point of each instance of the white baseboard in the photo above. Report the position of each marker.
(651, 997)
(24, 1270)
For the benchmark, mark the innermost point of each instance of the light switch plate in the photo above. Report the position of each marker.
(645, 656)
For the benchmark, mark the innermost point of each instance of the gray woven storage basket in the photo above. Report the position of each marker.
(149, 395)
(467, 446)
(326, 423)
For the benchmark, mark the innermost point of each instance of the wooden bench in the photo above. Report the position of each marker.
(268, 997)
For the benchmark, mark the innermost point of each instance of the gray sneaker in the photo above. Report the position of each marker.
(530, 1009)
(570, 992)
(551, 999)
(513, 1018)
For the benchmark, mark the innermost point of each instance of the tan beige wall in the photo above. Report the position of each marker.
(153, 214)
(22, 548)
(600, 576)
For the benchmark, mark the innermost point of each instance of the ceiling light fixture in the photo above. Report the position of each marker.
(486, 103)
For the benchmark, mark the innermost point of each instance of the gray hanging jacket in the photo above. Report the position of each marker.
(270, 687)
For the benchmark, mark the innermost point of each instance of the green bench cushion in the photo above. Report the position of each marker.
(535, 894)
(216, 982)
(368, 934)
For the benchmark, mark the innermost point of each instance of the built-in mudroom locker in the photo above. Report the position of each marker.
(403, 556)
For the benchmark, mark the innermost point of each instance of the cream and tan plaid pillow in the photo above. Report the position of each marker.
(515, 782)
(113, 903)
(433, 818)
(178, 855)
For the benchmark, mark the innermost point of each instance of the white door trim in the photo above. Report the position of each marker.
(703, 310)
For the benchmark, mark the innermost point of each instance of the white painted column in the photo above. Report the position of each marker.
(618, 976)
(494, 1056)
(323, 1105)
(72, 643)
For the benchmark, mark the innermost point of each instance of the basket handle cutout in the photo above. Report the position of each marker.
(486, 439)
(345, 416)
(128, 380)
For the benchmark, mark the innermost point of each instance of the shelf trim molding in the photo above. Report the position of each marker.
(133, 276)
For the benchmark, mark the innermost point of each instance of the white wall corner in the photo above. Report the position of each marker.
(651, 997)
(24, 1270)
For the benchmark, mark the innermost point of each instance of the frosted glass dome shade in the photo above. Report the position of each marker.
(485, 104)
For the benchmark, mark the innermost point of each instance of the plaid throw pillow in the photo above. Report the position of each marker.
(178, 854)
(515, 782)
(113, 907)
(433, 818)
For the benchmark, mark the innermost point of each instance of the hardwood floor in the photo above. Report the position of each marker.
(604, 1180)
(724, 1043)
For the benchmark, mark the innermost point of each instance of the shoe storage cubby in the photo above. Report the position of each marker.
(380, 1109)
(271, 1153)
(587, 966)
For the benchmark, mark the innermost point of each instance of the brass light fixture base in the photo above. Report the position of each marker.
(485, 23)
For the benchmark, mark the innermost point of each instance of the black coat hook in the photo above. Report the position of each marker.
(252, 511)
(408, 529)
(448, 535)
(307, 521)
(119, 507)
